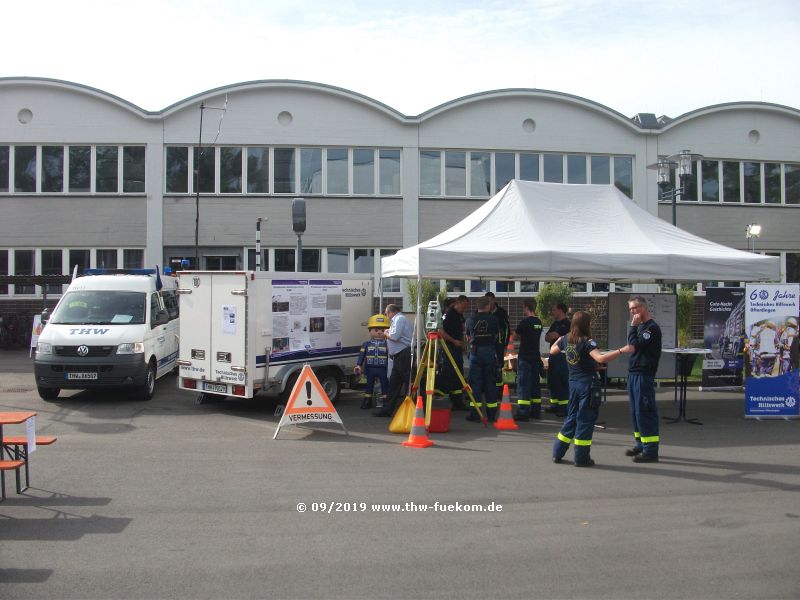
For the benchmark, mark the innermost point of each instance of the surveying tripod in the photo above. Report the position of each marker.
(427, 365)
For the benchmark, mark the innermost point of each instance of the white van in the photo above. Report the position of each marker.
(110, 330)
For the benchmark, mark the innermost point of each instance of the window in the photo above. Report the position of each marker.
(106, 259)
(576, 168)
(170, 299)
(230, 170)
(792, 267)
(363, 171)
(311, 261)
(106, 169)
(504, 169)
(258, 170)
(251, 260)
(338, 170)
(221, 263)
(772, 183)
(284, 259)
(310, 171)
(51, 265)
(731, 189)
(25, 169)
(601, 287)
(389, 172)
(752, 182)
(80, 168)
(4, 166)
(284, 171)
(623, 174)
(529, 167)
(177, 170)
(133, 169)
(553, 168)
(391, 285)
(204, 170)
(79, 258)
(710, 180)
(430, 166)
(455, 173)
(528, 287)
(52, 168)
(338, 260)
(476, 285)
(3, 270)
(455, 285)
(791, 174)
(480, 174)
(134, 259)
(23, 265)
(503, 287)
(363, 260)
(601, 170)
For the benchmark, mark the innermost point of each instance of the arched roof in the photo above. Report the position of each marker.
(730, 106)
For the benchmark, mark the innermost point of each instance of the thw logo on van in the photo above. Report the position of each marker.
(88, 331)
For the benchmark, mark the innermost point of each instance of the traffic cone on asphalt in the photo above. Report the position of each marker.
(418, 438)
(506, 418)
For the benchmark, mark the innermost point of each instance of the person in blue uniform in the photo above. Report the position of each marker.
(557, 372)
(452, 332)
(483, 334)
(529, 360)
(644, 343)
(582, 355)
(373, 360)
(503, 322)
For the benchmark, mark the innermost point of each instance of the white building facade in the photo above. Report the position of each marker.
(89, 179)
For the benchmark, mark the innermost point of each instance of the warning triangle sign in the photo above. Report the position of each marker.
(308, 403)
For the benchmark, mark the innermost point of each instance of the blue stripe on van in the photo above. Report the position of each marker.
(301, 355)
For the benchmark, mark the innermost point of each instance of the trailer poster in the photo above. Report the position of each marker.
(724, 337)
(306, 317)
(771, 366)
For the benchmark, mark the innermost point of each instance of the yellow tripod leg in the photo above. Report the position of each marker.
(465, 386)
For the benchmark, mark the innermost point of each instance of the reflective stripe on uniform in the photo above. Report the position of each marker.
(537, 400)
(636, 435)
(523, 402)
(560, 402)
(563, 438)
(650, 439)
(583, 442)
(492, 404)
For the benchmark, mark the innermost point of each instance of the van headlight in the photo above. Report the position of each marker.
(44, 348)
(132, 348)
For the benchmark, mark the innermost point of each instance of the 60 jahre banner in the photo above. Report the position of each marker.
(771, 387)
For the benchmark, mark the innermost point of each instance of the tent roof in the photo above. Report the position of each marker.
(573, 232)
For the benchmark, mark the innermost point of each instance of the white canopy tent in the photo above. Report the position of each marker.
(568, 232)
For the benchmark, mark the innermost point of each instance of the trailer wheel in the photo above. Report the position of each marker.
(287, 391)
(329, 381)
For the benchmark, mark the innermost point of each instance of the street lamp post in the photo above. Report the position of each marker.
(683, 163)
(752, 231)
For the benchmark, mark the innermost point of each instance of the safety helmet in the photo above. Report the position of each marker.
(378, 321)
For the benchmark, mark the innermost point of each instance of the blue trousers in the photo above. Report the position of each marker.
(558, 381)
(578, 426)
(529, 387)
(482, 366)
(376, 373)
(644, 414)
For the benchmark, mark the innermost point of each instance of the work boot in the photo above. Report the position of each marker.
(586, 463)
(366, 402)
(491, 414)
(644, 458)
(635, 451)
(536, 411)
(473, 416)
(523, 413)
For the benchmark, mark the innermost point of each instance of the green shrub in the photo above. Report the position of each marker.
(685, 309)
(549, 295)
(430, 291)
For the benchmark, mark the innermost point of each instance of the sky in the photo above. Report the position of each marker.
(666, 58)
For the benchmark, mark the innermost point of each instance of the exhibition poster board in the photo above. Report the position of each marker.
(723, 337)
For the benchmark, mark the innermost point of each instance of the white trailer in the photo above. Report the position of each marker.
(244, 332)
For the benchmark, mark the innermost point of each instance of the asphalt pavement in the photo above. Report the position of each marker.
(171, 499)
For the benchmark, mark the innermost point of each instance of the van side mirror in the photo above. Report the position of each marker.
(45, 316)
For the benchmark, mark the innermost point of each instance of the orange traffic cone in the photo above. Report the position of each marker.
(418, 438)
(506, 419)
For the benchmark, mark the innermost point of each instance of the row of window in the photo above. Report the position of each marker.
(273, 170)
(481, 174)
(742, 181)
(72, 169)
(359, 261)
(47, 261)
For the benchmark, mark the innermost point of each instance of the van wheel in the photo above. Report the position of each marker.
(48, 393)
(146, 391)
(330, 383)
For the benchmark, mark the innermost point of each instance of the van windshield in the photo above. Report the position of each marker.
(100, 307)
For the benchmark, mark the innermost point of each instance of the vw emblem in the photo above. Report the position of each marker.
(196, 281)
(83, 350)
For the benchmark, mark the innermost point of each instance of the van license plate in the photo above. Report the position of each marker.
(220, 388)
(81, 375)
